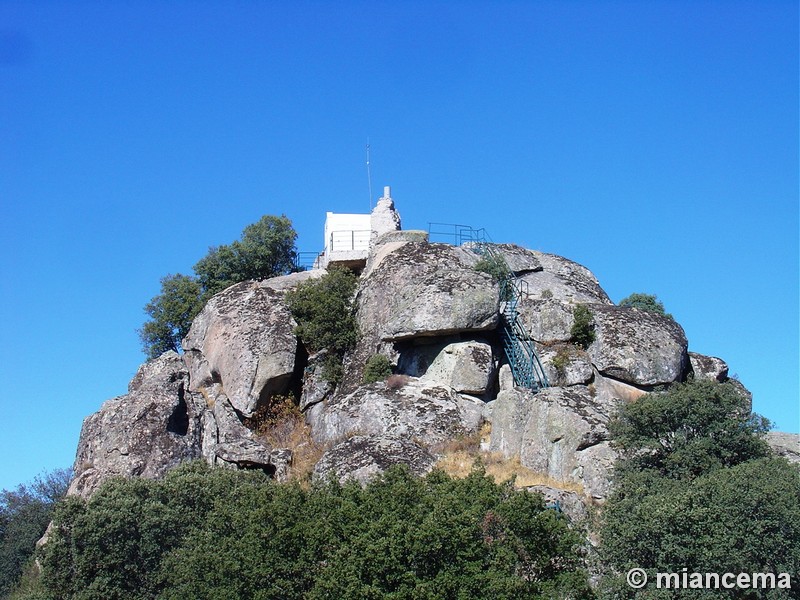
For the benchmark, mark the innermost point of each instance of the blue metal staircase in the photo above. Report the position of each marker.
(517, 342)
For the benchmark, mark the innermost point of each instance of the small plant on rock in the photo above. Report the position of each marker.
(582, 333)
(378, 368)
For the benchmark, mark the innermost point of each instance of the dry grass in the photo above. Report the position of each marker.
(280, 424)
(395, 382)
(460, 455)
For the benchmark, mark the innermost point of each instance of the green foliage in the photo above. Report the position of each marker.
(378, 368)
(497, 267)
(266, 249)
(696, 487)
(221, 534)
(24, 515)
(582, 332)
(171, 314)
(646, 302)
(323, 309)
(693, 428)
(560, 362)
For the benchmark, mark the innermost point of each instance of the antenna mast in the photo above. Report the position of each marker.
(369, 178)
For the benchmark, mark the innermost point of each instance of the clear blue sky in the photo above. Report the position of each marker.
(655, 142)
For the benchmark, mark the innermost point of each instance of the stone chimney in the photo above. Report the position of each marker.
(384, 217)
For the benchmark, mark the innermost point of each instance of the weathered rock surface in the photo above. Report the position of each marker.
(467, 367)
(560, 432)
(426, 290)
(363, 457)
(227, 442)
(785, 444)
(315, 387)
(708, 367)
(420, 290)
(244, 340)
(565, 364)
(570, 503)
(637, 346)
(563, 280)
(384, 217)
(146, 432)
(419, 411)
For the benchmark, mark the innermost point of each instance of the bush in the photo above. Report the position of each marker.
(323, 309)
(378, 368)
(697, 489)
(647, 302)
(582, 332)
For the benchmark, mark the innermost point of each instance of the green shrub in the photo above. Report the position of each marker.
(582, 332)
(378, 368)
(647, 302)
(323, 309)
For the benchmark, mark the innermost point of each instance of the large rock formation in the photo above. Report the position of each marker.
(146, 432)
(426, 308)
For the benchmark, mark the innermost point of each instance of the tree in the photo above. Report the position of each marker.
(697, 488)
(218, 533)
(171, 314)
(647, 302)
(24, 515)
(693, 428)
(265, 249)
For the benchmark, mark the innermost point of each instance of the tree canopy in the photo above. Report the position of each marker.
(217, 533)
(697, 488)
(24, 514)
(323, 309)
(266, 249)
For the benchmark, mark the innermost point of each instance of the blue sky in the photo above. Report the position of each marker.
(654, 142)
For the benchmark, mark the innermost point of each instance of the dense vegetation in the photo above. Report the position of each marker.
(266, 249)
(24, 514)
(202, 533)
(323, 309)
(697, 488)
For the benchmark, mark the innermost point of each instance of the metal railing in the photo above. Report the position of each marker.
(518, 345)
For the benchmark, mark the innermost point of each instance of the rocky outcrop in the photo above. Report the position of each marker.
(159, 424)
(363, 457)
(416, 410)
(708, 367)
(467, 367)
(786, 445)
(426, 308)
(420, 290)
(384, 218)
(227, 442)
(244, 341)
(637, 346)
(570, 503)
(557, 278)
(559, 432)
(146, 432)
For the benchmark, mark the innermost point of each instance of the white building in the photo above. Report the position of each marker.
(349, 237)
